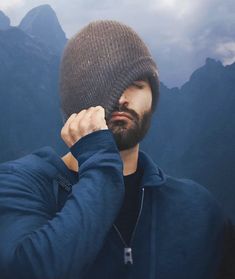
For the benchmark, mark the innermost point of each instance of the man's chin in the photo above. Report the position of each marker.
(124, 140)
(128, 134)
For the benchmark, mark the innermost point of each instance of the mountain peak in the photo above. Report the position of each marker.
(42, 23)
(45, 7)
(211, 68)
(4, 21)
(212, 62)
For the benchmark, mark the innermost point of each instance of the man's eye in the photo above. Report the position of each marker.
(139, 86)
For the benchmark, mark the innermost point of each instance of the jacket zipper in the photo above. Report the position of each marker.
(128, 259)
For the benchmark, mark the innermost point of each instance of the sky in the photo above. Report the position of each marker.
(180, 34)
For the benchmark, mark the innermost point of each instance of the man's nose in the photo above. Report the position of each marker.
(123, 100)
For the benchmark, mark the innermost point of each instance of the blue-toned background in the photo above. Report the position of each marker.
(192, 133)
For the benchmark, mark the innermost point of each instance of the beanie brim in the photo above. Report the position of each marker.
(142, 68)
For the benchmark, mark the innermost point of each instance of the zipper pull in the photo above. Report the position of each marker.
(128, 255)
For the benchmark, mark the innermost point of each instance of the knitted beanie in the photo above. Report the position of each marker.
(99, 63)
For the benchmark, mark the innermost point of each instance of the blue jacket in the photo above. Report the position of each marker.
(55, 224)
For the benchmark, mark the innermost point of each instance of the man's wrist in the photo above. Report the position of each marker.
(91, 143)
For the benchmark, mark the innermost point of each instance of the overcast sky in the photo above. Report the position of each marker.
(179, 33)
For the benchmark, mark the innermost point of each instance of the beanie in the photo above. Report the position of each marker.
(99, 63)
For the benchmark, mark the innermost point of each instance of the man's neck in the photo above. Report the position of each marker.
(129, 158)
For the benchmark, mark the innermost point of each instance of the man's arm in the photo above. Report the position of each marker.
(37, 245)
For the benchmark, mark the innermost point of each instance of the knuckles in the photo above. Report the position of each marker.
(73, 126)
(82, 123)
(62, 134)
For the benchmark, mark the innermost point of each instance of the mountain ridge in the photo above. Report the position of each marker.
(42, 24)
(4, 21)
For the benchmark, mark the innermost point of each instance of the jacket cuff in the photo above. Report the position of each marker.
(91, 143)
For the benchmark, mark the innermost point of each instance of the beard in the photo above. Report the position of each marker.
(128, 133)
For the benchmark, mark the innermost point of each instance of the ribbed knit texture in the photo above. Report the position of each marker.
(99, 63)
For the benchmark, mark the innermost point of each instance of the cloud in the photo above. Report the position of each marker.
(6, 5)
(227, 52)
(179, 33)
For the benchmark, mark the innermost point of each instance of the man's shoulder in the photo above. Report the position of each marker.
(28, 180)
(175, 187)
(186, 185)
(40, 163)
(192, 195)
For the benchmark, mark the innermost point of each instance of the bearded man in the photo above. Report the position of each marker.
(105, 210)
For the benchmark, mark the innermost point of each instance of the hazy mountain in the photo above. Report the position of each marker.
(29, 102)
(42, 24)
(4, 21)
(193, 130)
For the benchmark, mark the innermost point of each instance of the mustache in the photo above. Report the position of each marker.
(127, 110)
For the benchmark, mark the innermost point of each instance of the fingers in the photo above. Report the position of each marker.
(80, 124)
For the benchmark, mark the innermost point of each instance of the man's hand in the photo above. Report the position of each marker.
(82, 124)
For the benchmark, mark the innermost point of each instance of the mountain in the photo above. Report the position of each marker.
(29, 100)
(193, 131)
(42, 24)
(4, 21)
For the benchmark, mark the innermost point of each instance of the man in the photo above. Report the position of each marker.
(69, 217)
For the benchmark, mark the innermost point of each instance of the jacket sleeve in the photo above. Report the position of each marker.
(35, 244)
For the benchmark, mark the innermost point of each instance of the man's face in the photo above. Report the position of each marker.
(136, 102)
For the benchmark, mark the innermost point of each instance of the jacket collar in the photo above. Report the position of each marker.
(152, 174)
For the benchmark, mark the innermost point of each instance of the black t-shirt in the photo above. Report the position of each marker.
(128, 214)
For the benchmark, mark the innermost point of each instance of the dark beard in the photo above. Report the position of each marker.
(127, 136)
